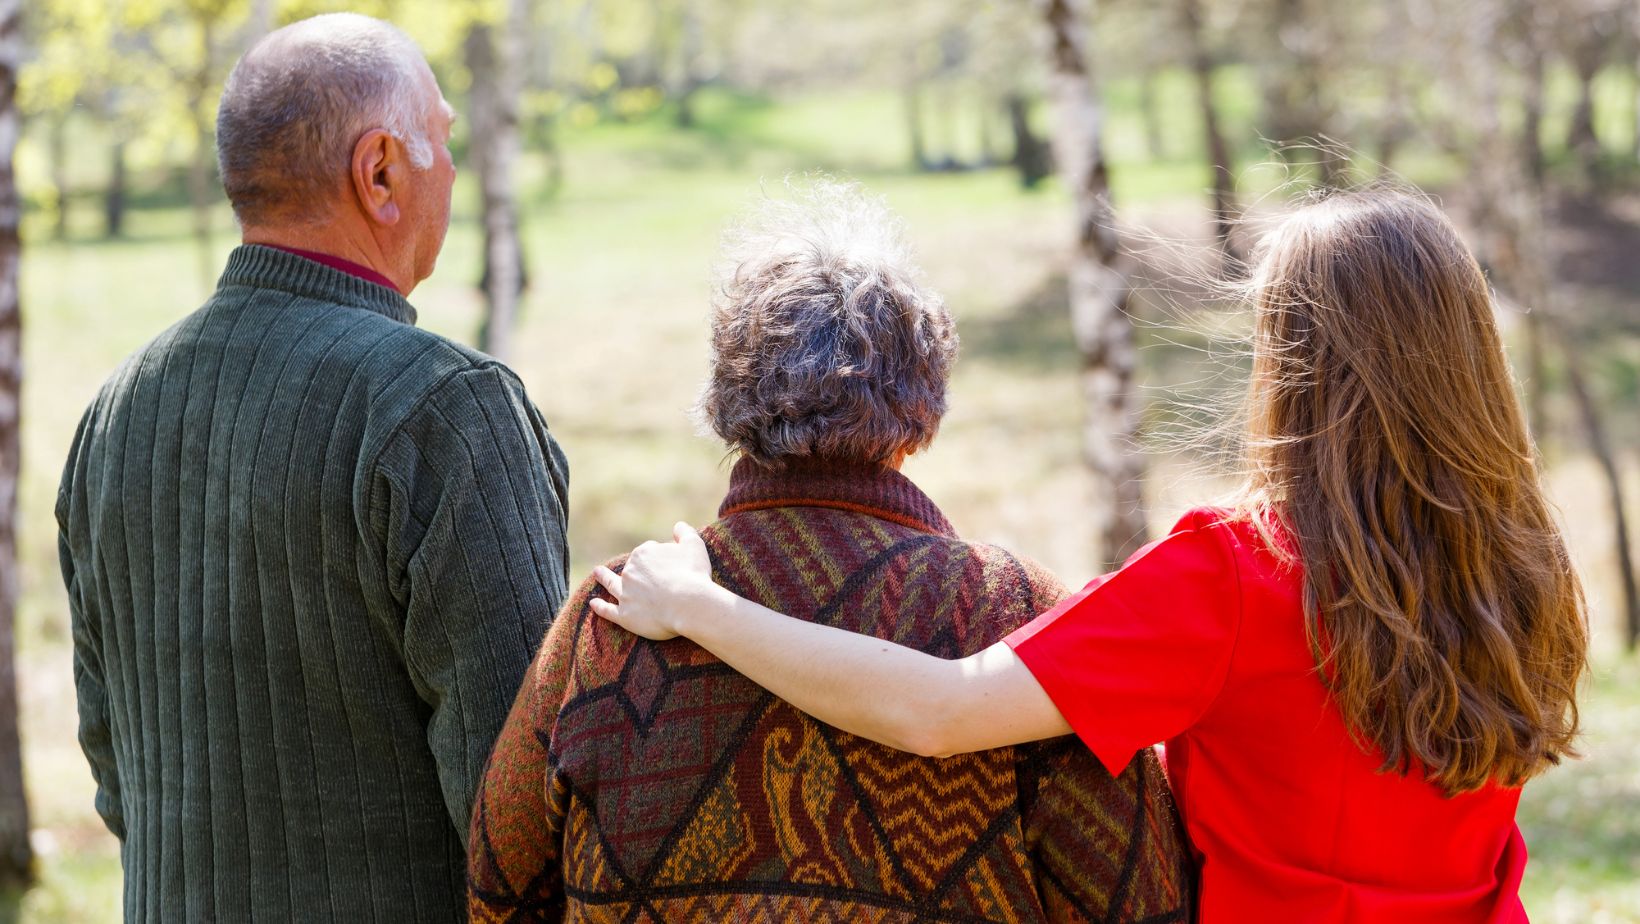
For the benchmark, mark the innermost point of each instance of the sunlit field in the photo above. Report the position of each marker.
(612, 348)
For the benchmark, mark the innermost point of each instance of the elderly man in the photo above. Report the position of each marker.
(309, 548)
(638, 781)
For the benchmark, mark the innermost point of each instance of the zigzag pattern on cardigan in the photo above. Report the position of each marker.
(638, 781)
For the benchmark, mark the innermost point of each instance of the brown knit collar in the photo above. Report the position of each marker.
(868, 488)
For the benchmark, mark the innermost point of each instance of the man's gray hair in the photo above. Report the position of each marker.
(298, 102)
(826, 343)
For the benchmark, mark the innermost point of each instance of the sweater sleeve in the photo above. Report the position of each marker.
(515, 857)
(95, 732)
(471, 507)
(1104, 848)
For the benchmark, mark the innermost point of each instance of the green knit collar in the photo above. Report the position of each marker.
(868, 488)
(268, 268)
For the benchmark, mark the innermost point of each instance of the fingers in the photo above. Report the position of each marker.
(610, 581)
(604, 609)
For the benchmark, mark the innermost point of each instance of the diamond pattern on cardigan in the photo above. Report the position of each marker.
(639, 781)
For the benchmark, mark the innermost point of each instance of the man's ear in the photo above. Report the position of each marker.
(378, 175)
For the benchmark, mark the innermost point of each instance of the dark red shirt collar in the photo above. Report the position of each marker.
(337, 263)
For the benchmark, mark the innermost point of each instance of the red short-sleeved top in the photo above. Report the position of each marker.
(1199, 642)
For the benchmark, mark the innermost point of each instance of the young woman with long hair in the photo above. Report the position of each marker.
(1354, 666)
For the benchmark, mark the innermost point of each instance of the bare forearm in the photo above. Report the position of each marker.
(863, 685)
(875, 688)
(871, 687)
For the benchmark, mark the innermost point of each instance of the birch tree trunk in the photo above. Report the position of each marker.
(493, 57)
(1099, 289)
(16, 857)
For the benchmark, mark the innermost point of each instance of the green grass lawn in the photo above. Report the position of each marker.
(612, 347)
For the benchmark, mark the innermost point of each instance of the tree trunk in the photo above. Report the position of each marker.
(1218, 152)
(1393, 130)
(1149, 111)
(1531, 126)
(1099, 290)
(261, 20)
(16, 857)
(1298, 110)
(689, 51)
(1395, 126)
(493, 57)
(914, 116)
(1594, 430)
(987, 131)
(1030, 153)
(1537, 374)
(1636, 60)
(204, 153)
(59, 174)
(1581, 138)
(114, 198)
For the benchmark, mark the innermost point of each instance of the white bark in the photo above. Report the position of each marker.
(16, 858)
(1099, 289)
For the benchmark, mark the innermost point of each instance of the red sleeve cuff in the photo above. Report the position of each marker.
(1114, 754)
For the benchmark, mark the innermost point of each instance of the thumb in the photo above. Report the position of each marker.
(686, 535)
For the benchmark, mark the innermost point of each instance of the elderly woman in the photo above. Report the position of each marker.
(637, 780)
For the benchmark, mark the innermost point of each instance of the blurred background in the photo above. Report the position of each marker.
(1078, 181)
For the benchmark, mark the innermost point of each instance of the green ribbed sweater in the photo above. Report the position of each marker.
(310, 551)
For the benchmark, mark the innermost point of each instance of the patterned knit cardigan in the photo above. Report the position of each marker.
(640, 781)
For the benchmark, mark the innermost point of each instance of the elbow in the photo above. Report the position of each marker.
(925, 732)
(922, 745)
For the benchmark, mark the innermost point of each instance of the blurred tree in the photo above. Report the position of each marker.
(62, 83)
(1202, 66)
(1003, 65)
(16, 856)
(1524, 27)
(1594, 426)
(1150, 111)
(493, 56)
(1099, 289)
(1587, 31)
(1298, 75)
(1507, 210)
(201, 71)
(1032, 157)
(686, 80)
(915, 138)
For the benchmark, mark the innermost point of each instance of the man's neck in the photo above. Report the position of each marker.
(343, 248)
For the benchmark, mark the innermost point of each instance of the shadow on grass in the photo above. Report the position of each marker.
(1033, 335)
(1581, 820)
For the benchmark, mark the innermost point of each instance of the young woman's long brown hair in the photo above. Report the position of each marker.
(1386, 435)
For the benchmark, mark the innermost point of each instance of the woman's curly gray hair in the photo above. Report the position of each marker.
(825, 341)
